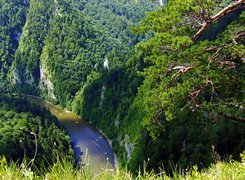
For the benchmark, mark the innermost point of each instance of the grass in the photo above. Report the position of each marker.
(65, 170)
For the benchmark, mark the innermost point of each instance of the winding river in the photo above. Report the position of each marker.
(90, 146)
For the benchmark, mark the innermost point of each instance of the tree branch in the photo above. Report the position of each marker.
(182, 70)
(239, 105)
(232, 117)
(240, 4)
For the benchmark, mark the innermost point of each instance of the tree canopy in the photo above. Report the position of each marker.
(29, 132)
(173, 91)
(193, 82)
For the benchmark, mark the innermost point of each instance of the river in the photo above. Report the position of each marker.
(90, 146)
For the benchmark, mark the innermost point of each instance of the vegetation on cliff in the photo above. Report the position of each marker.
(190, 100)
(171, 92)
(30, 135)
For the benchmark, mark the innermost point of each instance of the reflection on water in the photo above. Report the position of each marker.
(89, 145)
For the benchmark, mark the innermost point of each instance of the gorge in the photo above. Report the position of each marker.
(163, 80)
(90, 146)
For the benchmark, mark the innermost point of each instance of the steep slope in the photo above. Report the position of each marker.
(64, 41)
(116, 18)
(176, 97)
(191, 97)
(191, 103)
(66, 48)
(13, 18)
(30, 133)
(25, 68)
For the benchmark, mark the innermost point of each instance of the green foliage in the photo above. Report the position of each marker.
(170, 97)
(61, 51)
(26, 63)
(190, 95)
(69, 40)
(64, 170)
(25, 126)
(13, 17)
(116, 18)
(105, 101)
(74, 33)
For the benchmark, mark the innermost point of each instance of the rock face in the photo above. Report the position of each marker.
(106, 63)
(17, 74)
(17, 36)
(57, 10)
(162, 2)
(29, 78)
(129, 147)
(16, 77)
(45, 82)
(117, 121)
(103, 91)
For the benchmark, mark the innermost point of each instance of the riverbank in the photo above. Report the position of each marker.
(116, 161)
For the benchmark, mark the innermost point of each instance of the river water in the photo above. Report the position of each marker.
(91, 147)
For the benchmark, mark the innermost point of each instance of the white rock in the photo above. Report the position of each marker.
(106, 63)
(45, 81)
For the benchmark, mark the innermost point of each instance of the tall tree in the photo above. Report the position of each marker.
(192, 98)
(188, 76)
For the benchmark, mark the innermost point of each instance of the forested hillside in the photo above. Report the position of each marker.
(53, 46)
(31, 135)
(166, 86)
(190, 104)
(13, 17)
(57, 49)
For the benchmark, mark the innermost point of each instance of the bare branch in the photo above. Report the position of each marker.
(239, 105)
(182, 70)
(211, 49)
(232, 117)
(240, 4)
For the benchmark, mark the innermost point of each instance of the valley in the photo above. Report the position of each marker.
(91, 148)
(135, 85)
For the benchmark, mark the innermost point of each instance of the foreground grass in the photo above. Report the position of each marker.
(65, 170)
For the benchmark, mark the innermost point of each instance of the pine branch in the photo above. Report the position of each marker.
(232, 117)
(182, 70)
(240, 4)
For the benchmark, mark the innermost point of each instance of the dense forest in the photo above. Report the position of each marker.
(30, 133)
(163, 80)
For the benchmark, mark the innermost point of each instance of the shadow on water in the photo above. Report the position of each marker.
(90, 146)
